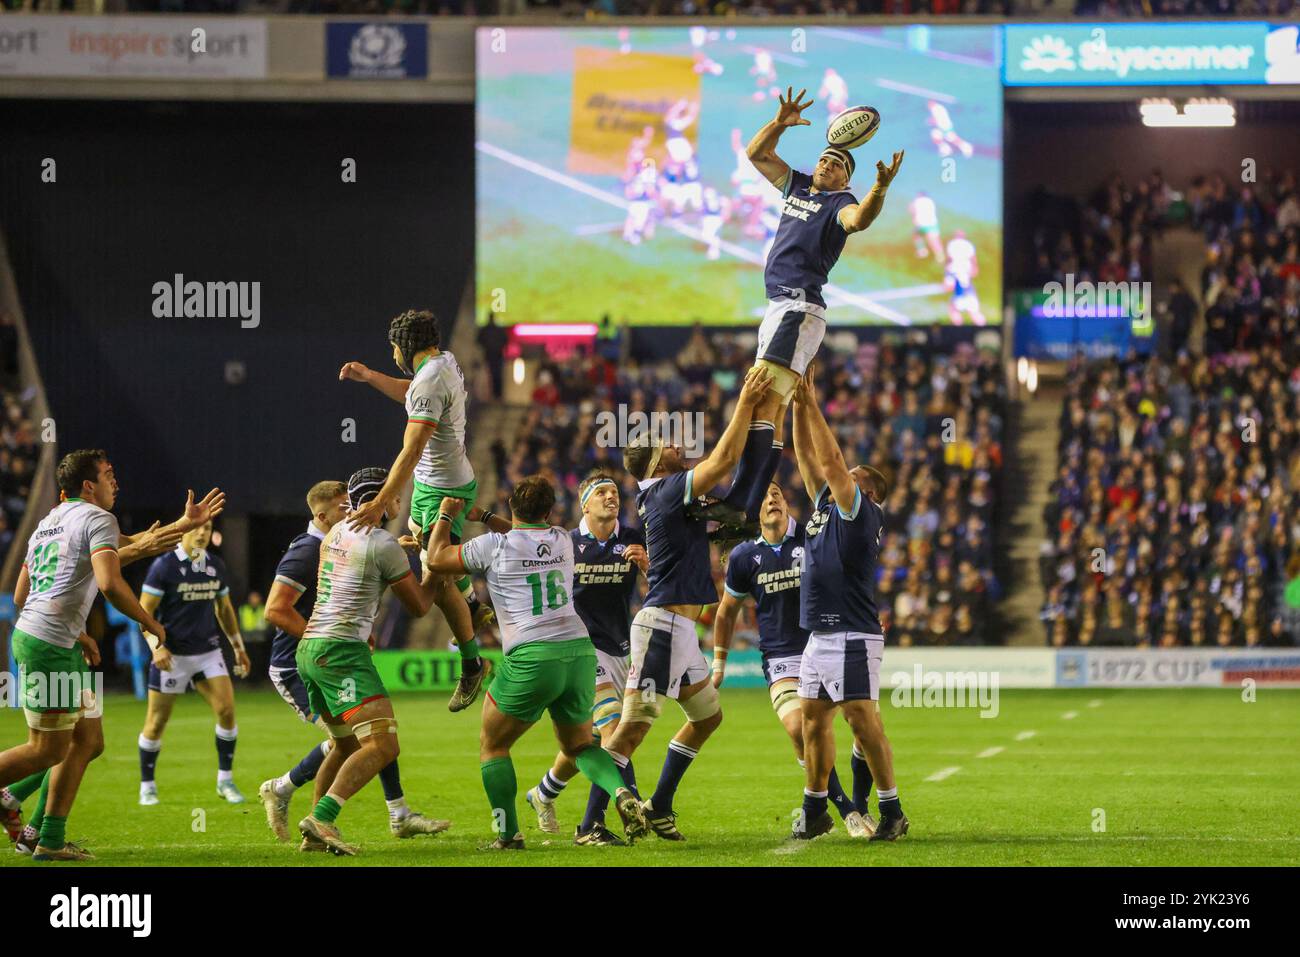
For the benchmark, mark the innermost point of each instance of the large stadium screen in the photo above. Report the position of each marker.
(612, 176)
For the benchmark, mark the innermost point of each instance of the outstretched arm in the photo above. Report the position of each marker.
(726, 454)
(809, 470)
(389, 385)
(371, 515)
(827, 455)
(158, 539)
(859, 216)
(762, 148)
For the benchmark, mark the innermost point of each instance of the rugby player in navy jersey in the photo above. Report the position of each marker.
(840, 667)
(768, 569)
(818, 215)
(288, 606)
(666, 660)
(607, 557)
(188, 591)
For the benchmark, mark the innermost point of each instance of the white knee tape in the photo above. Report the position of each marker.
(338, 730)
(364, 729)
(702, 705)
(638, 710)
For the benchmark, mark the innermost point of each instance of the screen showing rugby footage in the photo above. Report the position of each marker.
(612, 176)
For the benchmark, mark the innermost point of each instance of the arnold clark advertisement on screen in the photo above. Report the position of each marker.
(1143, 54)
(126, 46)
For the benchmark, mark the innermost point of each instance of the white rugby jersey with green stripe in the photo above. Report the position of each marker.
(62, 579)
(529, 573)
(355, 568)
(437, 395)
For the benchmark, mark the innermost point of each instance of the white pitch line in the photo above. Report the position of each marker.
(910, 292)
(865, 303)
(917, 91)
(991, 752)
(592, 229)
(778, 57)
(1069, 715)
(943, 773)
(1025, 735)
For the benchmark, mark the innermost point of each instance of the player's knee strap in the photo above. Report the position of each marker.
(364, 729)
(339, 730)
(784, 379)
(641, 708)
(702, 705)
(605, 710)
(785, 697)
(52, 720)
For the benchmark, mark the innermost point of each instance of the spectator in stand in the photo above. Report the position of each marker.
(492, 339)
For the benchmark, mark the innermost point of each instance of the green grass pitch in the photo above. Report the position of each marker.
(1181, 777)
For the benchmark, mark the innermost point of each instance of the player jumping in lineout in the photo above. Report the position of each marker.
(818, 216)
(433, 451)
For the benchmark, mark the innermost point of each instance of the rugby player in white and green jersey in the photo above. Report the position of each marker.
(433, 453)
(335, 663)
(550, 662)
(76, 549)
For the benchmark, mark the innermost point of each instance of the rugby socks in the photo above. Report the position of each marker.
(391, 780)
(861, 780)
(304, 771)
(226, 738)
(551, 786)
(889, 803)
(501, 787)
(835, 791)
(22, 790)
(597, 802)
(753, 474)
(625, 771)
(38, 816)
(600, 768)
(676, 762)
(53, 830)
(149, 748)
(327, 809)
(814, 806)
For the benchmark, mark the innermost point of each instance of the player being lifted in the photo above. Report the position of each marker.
(768, 569)
(76, 549)
(666, 661)
(334, 661)
(549, 664)
(607, 556)
(289, 602)
(840, 666)
(819, 215)
(182, 590)
(433, 451)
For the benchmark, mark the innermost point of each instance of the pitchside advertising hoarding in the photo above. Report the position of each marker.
(1142, 54)
(980, 667)
(376, 51)
(126, 46)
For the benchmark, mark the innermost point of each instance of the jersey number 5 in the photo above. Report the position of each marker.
(556, 596)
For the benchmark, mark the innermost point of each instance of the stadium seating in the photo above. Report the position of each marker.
(18, 446)
(931, 421)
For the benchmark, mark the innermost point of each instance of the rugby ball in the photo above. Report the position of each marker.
(853, 127)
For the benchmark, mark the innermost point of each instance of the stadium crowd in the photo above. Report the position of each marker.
(1101, 9)
(930, 420)
(19, 448)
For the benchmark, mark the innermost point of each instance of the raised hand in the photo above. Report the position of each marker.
(788, 113)
(885, 174)
(197, 513)
(356, 371)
